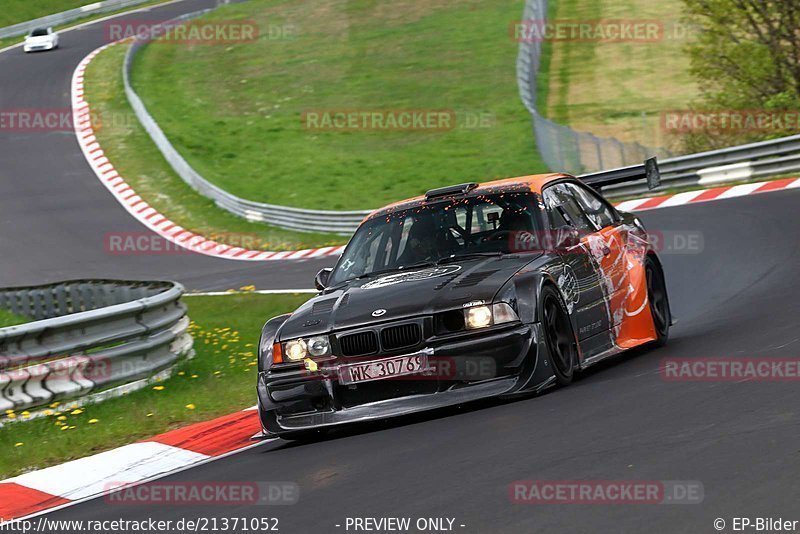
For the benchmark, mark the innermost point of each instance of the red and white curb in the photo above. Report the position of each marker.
(86, 478)
(140, 209)
(162, 226)
(706, 195)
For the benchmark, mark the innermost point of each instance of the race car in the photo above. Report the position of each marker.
(40, 39)
(470, 291)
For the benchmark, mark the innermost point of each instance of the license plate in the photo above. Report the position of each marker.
(381, 369)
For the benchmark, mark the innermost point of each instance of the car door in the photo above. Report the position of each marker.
(579, 280)
(607, 248)
(623, 270)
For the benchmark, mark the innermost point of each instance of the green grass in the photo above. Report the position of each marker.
(15, 11)
(234, 111)
(618, 89)
(137, 159)
(8, 318)
(219, 380)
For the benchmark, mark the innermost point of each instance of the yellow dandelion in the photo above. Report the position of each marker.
(190, 406)
(62, 417)
(195, 376)
(158, 388)
(12, 416)
(93, 421)
(181, 373)
(55, 405)
(19, 444)
(149, 415)
(76, 412)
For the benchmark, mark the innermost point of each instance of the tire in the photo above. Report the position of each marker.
(659, 302)
(558, 335)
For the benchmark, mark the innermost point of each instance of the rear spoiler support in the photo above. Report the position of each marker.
(647, 171)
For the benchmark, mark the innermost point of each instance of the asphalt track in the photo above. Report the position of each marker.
(737, 297)
(55, 213)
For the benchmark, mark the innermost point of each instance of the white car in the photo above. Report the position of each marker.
(41, 39)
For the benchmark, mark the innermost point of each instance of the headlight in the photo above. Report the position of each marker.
(296, 350)
(319, 346)
(483, 316)
(478, 317)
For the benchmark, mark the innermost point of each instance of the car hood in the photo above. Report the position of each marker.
(42, 39)
(402, 294)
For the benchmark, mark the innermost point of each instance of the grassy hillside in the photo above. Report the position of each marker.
(15, 11)
(136, 157)
(235, 111)
(618, 88)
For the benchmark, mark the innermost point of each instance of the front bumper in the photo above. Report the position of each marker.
(38, 48)
(469, 367)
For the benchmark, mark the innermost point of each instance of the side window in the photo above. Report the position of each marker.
(597, 210)
(563, 209)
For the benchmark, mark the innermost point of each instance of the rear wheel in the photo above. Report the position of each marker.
(659, 303)
(558, 336)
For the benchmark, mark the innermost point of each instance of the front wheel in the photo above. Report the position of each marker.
(558, 335)
(659, 303)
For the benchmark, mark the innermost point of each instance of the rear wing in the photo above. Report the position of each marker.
(647, 171)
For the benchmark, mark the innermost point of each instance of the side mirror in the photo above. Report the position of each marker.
(321, 280)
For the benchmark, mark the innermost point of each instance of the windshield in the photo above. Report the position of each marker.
(41, 32)
(435, 232)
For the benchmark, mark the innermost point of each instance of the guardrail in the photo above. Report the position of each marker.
(339, 222)
(67, 16)
(89, 339)
(739, 163)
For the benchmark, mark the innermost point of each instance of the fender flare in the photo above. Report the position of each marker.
(268, 334)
